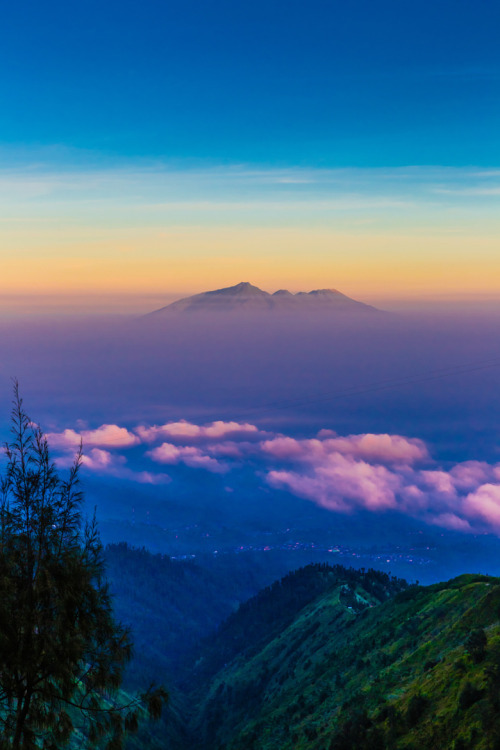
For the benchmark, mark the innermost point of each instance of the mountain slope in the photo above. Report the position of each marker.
(412, 672)
(171, 605)
(244, 297)
(327, 658)
(266, 615)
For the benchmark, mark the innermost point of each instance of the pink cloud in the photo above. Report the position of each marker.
(470, 474)
(378, 473)
(145, 477)
(413, 499)
(484, 504)
(326, 434)
(185, 431)
(343, 485)
(450, 521)
(104, 462)
(167, 453)
(96, 459)
(384, 449)
(438, 481)
(230, 449)
(99, 459)
(374, 472)
(290, 449)
(110, 435)
(380, 448)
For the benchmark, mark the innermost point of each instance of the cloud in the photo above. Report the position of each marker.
(110, 435)
(384, 449)
(450, 521)
(114, 436)
(386, 472)
(343, 484)
(99, 459)
(473, 191)
(381, 448)
(185, 431)
(102, 461)
(438, 481)
(144, 477)
(167, 453)
(484, 504)
(470, 474)
(231, 449)
(287, 448)
(371, 472)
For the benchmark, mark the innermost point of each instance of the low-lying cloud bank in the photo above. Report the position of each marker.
(341, 473)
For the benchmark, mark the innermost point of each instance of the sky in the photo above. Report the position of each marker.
(152, 150)
(168, 148)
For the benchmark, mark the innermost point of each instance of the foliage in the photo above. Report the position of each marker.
(268, 613)
(396, 675)
(468, 696)
(62, 653)
(416, 707)
(171, 605)
(476, 644)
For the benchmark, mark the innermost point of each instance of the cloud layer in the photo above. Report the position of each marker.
(372, 472)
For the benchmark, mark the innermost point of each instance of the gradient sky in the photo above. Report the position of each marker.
(173, 147)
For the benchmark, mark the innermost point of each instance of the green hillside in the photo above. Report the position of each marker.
(266, 615)
(326, 658)
(421, 670)
(171, 605)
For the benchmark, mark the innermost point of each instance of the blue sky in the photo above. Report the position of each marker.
(174, 147)
(282, 83)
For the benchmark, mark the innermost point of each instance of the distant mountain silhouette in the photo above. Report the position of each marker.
(247, 297)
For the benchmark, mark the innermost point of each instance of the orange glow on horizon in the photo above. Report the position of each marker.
(190, 260)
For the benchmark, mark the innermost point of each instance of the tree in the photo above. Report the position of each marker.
(475, 645)
(416, 708)
(62, 654)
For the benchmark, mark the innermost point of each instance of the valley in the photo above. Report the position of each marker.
(325, 657)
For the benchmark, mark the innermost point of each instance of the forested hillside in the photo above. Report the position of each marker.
(171, 605)
(421, 670)
(326, 658)
(272, 610)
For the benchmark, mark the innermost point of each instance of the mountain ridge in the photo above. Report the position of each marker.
(420, 670)
(331, 658)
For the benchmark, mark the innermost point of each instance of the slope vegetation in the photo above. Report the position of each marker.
(421, 670)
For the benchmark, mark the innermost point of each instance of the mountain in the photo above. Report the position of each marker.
(419, 670)
(174, 604)
(169, 604)
(327, 658)
(245, 297)
(269, 613)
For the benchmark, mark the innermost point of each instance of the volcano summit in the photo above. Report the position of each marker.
(245, 297)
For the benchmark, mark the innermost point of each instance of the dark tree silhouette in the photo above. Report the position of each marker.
(476, 644)
(62, 654)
